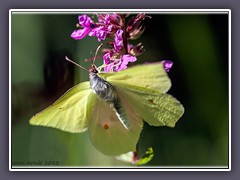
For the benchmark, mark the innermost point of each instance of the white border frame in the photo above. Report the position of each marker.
(157, 11)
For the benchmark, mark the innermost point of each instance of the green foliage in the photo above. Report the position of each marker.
(147, 157)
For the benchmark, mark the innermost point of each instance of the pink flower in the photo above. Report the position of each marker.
(117, 62)
(81, 33)
(125, 59)
(90, 28)
(84, 20)
(108, 19)
(118, 40)
(107, 58)
(111, 25)
(167, 65)
(87, 25)
(101, 32)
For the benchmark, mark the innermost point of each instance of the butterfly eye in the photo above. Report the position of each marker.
(93, 70)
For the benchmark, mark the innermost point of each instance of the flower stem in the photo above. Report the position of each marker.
(124, 36)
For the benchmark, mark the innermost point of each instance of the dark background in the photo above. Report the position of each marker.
(198, 46)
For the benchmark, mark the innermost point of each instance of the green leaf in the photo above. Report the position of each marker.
(132, 157)
(146, 157)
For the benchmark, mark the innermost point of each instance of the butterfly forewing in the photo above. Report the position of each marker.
(69, 112)
(151, 78)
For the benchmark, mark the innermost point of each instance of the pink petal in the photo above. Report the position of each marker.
(84, 20)
(129, 58)
(81, 33)
(118, 40)
(101, 32)
(106, 58)
(167, 65)
(109, 67)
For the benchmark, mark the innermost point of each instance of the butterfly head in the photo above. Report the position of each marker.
(93, 69)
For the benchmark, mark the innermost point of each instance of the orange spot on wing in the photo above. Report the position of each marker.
(106, 126)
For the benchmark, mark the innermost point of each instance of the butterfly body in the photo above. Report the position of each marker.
(106, 92)
(102, 88)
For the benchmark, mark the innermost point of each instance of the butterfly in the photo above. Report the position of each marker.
(113, 106)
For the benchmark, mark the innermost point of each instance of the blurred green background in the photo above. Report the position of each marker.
(196, 43)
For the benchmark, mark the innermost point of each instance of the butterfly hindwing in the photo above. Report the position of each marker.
(69, 113)
(156, 110)
(107, 132)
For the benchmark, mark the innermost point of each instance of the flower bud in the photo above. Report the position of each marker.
(108, 19)
(136, 26)
(137, 50)
(124, 15)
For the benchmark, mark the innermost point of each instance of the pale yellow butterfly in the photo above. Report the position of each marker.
(113, 106)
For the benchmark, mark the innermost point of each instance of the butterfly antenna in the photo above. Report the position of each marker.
(96, 53)
(75, 63)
